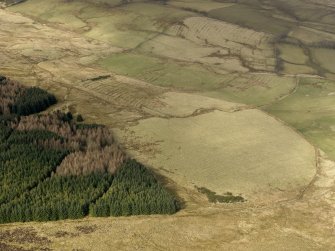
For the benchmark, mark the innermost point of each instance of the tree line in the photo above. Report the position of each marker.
(17, 99)
(53, 168)
(57, 198)
(31, 189)
(134, 191)
(33, 100)
(23, 165)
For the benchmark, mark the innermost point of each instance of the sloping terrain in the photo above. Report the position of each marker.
(147, 70)
(245, 152)
(53, 167)
(217, 51)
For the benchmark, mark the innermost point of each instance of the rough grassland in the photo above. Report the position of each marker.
(325, 57)
(251, 18)
(125, 26)
(64, 58)
(308, 35)
(293, 69)
(198, 5)
(250, 48)
(293, 54)
(161, 72)
(255, 89)
(243, 152)
(176, 104)
(311, 110)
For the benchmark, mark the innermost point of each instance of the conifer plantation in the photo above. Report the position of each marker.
(52, 168)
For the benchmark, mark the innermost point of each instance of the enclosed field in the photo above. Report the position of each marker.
(294, 69)
(122, 25)
(250, 47)
(201, 6)
(251, 17)
(246, 152)
(163, 72)
(311, 110)
(293, 54)
(325, 57)
(255, 89)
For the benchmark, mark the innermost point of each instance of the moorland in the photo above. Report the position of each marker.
(216, 97)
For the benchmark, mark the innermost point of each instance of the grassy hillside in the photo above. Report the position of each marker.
(224, 50)
(220, 98)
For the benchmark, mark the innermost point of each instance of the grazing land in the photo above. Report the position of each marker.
(223, 159)
(218, 98)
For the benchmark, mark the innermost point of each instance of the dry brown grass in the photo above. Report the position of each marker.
(301, 223)
(245, 152)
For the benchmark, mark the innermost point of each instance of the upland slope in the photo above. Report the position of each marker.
(176, 81)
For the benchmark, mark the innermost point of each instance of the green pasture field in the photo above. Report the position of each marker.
(311, 111)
